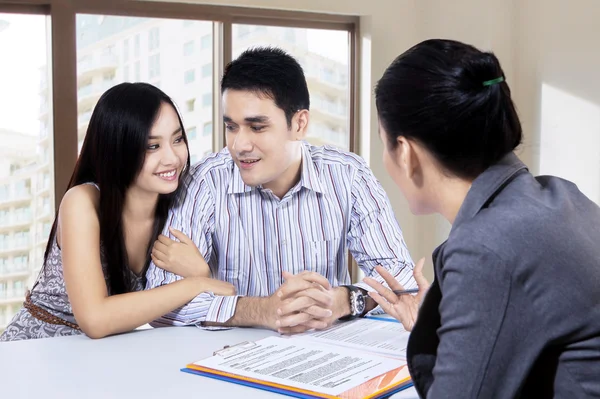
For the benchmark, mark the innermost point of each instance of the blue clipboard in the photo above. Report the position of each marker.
(281, 390)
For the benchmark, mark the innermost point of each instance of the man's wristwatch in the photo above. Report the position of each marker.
(358, 302)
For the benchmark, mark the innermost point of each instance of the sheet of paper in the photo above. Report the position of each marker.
(375, 336)
(301, 364)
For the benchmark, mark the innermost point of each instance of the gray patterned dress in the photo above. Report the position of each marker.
(50, 294)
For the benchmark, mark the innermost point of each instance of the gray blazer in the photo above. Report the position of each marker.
(514, 310)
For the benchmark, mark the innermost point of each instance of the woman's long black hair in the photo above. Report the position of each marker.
(112, 156)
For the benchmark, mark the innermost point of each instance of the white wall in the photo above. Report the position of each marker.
(559, 89)
(548, 49)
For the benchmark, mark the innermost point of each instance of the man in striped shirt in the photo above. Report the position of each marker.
(274, 215)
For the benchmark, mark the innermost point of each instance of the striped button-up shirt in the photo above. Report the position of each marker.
(249, 236)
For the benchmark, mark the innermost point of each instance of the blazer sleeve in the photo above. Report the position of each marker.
(476, 287)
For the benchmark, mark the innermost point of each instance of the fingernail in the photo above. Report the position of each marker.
(279, 311)
(278, 323)
(279, 294)
(329, 312)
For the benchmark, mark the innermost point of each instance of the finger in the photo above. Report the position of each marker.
(218, 287)
(287, 275)
(292, 287)
(159, 255)
(294, 305)
(306, 305)
(310, 276)
(293, 320)
(160, 247)
(181, 236)
(318, 312)
(165, 240)
(318, 295)
(157, 261)
(293, 330)
(419, 278)
(382, 290)
(381, 301)
(302, 282)
(403, 315)
(389, 278)
(316, 324)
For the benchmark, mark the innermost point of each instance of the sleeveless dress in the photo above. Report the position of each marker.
(50, 294)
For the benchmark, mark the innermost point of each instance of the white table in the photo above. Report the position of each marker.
(141, 364)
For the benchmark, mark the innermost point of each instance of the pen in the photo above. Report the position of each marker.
(410, 291)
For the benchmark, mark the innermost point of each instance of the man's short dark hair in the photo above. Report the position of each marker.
(271, 72)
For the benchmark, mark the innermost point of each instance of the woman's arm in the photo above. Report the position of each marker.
(98, 314)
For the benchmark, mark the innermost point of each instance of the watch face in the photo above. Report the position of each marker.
(360, 304)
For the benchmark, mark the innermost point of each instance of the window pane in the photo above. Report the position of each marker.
(206, 70)
(156, 57)
(324, 56)
(206, 42)
(189, 76)
(26, 156)
(207, 130)
(188, 48)
(207, 100)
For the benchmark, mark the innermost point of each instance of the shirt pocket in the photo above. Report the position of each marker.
(323, 254)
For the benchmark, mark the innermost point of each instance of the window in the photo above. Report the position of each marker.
(207, 130)
(191, 133)
(324, 56)
(18, 288)
(290, 36)
(4, 192)
(189, 76)
(193, 159)
(136, 70)
(148, 62)
(108, 76)
(153, 39)
(27, 141)
(154, 66)
(46, 229)
(207, 99)
(242, 31)
(189, 105)
(206, 42)
(188, 48)
(110, 49)
(136, 48)
(126, 50)
(206, 70)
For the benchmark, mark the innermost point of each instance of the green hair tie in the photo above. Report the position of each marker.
(493, 81)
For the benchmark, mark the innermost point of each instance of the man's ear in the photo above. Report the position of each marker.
(300, 124)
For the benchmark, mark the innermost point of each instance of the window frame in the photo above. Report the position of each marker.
(63, 56)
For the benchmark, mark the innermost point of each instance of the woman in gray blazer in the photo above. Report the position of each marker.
(514, 310)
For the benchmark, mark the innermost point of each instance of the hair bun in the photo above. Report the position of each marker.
(479, 69)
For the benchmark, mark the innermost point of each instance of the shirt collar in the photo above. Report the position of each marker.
(309, 177)
(486, 185)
